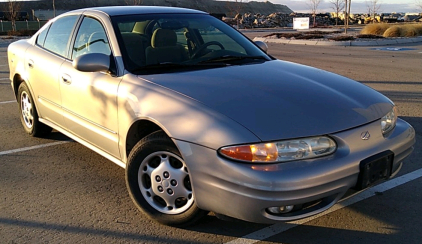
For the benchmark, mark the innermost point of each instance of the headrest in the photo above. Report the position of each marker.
(139, 27)
(163, 38)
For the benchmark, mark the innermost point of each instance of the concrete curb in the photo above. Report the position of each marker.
(386, 42)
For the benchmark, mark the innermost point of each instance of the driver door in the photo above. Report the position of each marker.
(89, 99)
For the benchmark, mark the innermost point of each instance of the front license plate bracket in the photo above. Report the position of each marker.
(374, 169)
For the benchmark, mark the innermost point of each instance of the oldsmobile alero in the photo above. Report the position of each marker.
(201, 118)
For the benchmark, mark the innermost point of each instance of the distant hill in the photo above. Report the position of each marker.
(221, 7)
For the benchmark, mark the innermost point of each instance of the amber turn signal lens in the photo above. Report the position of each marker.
(239, 152)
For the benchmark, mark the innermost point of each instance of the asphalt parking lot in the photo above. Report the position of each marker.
(55, 190)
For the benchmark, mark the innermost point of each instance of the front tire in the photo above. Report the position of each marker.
(159, 184)
(29, 115)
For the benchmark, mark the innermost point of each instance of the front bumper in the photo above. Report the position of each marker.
(245, 191)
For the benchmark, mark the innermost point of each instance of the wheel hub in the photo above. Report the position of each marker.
(164, 182)
(26, 109)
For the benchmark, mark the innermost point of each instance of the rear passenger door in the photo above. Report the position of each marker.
(89, 99)
(43, 62)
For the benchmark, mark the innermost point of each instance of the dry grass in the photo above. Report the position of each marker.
(409, 31)
(393, 31)
(302, 35)
(418, 28)
(386, 30)
(375, 29)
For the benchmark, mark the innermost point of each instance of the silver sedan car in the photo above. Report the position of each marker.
(201, 118)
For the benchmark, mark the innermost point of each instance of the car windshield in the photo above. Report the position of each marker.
(156, 43)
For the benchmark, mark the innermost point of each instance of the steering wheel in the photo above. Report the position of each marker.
(205, 45)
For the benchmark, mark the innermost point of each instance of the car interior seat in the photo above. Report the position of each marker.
(164, 48)
(135, 45)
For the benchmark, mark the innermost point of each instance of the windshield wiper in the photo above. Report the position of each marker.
(229, 58)
(172, 66)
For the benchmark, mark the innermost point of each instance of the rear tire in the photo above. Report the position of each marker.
(159, 184)
(29, 115)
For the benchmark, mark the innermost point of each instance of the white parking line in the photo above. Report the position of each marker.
(8, 102)
(282, 227)
(32, 148)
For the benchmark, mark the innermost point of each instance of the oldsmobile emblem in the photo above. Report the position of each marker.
(365, 135)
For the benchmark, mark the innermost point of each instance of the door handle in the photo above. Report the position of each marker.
(31, 63)
(66, 79)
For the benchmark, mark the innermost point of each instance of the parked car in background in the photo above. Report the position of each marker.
(201, 118)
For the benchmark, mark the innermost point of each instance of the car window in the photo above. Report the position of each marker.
(126, 27)
(58, 36)
(41, 37)
(91, 38)
(196, 32)
(211, 34)
(180, 41)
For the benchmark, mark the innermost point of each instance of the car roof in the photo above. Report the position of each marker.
(130, 10)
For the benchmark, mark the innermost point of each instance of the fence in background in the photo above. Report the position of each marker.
(6, 26)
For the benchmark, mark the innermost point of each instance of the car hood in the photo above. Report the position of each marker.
(280, 100)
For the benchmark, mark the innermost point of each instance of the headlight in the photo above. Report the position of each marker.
(281, 151)
(388, 122)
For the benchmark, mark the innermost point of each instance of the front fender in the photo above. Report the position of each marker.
(182, 118)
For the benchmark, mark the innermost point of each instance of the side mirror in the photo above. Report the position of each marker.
(92, 62)
(262, 45)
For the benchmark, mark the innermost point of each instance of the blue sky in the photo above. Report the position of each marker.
(358, 6)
